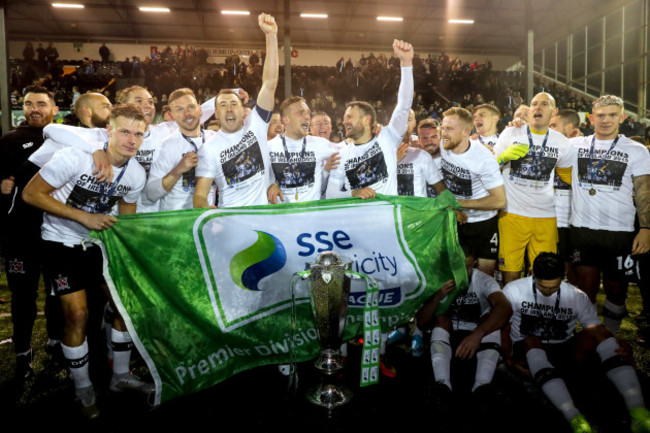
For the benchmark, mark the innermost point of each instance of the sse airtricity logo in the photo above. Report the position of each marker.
(265, 257)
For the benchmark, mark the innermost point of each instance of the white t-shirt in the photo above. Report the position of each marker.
(529, 180)
(62, 136)
(172, 150)
(468, 307)
(239, 162)
(470, 175)
(538, 316)
(70, 172)
(611, 207)
(374, 164)
(487, 141)
(431, 193)
(415, 172)
(303, 174)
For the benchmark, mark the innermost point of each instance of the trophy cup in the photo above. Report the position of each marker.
(330, 290)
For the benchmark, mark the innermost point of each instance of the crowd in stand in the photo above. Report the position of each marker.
(440, 81)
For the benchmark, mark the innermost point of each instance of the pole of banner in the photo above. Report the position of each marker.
(287, 49)
(530, 36)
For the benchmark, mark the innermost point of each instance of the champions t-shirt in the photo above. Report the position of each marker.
(301, 177)
(173, 149)
(609, 176)
(431, 192)
(529, 180)
(470, 175)
(537, 315)
(372, 164)
(239, 162)
(468, 307)
(70, 172)
(415, 172)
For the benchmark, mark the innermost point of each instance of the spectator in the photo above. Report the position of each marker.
(104, 52)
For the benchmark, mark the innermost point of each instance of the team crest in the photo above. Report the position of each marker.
(16, 267)
(61, 283)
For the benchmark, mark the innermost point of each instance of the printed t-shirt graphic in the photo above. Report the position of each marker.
(416, 172)
(529, 180)
(239, 162)
(303, 174)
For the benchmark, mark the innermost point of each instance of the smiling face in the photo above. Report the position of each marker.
(39, 109)
(143, 99)
(454, 132)
(296, 120)
(430, 140)
(321, 126)
(355, 123)
(275, 126)
(187, 114)
(230, 112)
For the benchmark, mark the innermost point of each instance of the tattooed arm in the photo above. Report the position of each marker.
(641, 243)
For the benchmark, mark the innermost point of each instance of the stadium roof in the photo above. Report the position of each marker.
(499, 26)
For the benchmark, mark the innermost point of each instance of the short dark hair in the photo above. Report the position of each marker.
(39, 89)
(429, 123)
(569, 116)
(548, 266)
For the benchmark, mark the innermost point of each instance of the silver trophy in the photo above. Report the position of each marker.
(330, 290)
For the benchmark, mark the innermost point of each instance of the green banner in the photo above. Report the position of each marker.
(207, 293)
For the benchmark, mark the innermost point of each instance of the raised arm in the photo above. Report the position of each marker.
(404, 52)
(266, 97)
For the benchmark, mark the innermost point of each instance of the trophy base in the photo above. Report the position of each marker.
(329, 396)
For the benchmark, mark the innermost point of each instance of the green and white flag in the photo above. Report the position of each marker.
(207, 294)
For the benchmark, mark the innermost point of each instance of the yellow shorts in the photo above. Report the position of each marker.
(518, 234)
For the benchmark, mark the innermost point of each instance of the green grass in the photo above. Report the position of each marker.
(50, 380)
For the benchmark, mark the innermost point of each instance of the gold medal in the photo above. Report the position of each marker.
(296, 195)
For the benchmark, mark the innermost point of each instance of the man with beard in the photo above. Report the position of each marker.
(218, 160)
(429, 141)
(472, 175)
(92, 110)
(22, 229)
(172, 176)
(379, 151)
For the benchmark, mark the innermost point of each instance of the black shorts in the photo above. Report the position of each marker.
(560, 355)
(71, 269)
(482, 237)
(609, 251)
(564, 244)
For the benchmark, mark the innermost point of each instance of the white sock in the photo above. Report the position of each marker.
(613, 323)
(555, 389)
(122, 343)
(486, 364)
(441, 356)
(77, 358)
(417, 331)
(623, 377)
